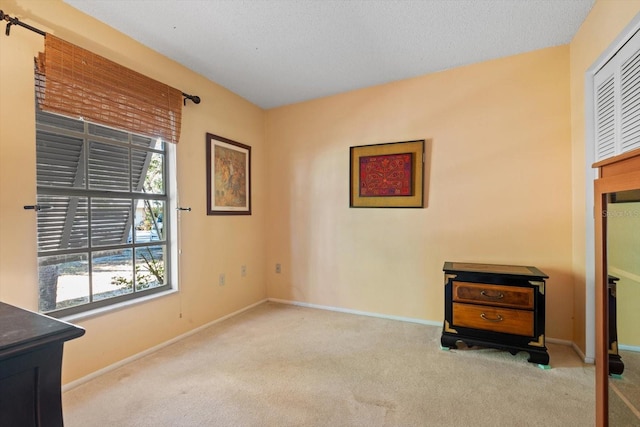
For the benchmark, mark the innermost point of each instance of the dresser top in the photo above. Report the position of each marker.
(512, 270)
(22, 330)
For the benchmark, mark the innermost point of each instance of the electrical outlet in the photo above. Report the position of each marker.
(243, 270)
(221, 279)
(278, 268)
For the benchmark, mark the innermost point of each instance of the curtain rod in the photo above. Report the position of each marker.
(15, 21)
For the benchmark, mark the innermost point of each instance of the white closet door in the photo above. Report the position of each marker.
(606, 115)
(617, 102)
(630, 95)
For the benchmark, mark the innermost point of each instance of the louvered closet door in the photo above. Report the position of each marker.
(630, 95)
(617, 102)
(606, 114)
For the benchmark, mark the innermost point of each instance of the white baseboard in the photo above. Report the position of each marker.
(579, 352)
(79, 381)
(358, 312)
(629, 347)
(559, 341)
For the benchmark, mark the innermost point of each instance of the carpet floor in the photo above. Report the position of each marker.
(282, 365)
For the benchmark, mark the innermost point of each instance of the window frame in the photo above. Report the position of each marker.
(166, 240)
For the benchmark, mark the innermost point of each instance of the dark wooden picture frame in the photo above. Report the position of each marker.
(228, 176)
(389, 175)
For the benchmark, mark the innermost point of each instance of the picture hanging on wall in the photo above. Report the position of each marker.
(228, 177)
(387, 175)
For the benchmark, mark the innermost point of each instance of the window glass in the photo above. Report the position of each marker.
(112, 134)
(102, 215)
(110, 220)
(149, 268)
(108, 167)
(63, 222)
(59, 160)
(64, 281)
(112, 273)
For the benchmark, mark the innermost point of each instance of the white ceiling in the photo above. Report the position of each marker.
(278, 52)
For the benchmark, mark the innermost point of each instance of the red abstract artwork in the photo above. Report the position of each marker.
(386, 175)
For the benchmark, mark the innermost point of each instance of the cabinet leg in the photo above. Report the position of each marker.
(448, 342)
(616, 367)
(538, 357)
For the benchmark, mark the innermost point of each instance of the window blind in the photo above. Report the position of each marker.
(76, 82)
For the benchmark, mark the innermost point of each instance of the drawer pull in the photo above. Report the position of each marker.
(499, 296)
(497, 319)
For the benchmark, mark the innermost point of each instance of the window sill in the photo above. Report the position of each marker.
(115, 307)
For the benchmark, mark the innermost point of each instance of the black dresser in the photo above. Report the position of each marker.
(30, 367)
(499, 306)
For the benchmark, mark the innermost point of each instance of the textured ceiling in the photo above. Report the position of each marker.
(278, 52)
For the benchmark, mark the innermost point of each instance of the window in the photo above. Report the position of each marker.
(103, 215)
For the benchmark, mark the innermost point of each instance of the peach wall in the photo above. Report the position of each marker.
(604, 23)
(498, 188)
(504, 183)
(210, 245)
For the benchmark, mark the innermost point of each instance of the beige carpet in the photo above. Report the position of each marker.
(280, 365)
(624, 393)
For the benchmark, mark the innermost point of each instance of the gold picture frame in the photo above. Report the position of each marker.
(228, 177)
(389, 175)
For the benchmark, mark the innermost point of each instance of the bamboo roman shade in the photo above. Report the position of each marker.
(75, 82)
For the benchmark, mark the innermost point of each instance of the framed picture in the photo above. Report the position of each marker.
(228, 177)
(387, 175)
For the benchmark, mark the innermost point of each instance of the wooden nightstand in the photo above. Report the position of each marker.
(499, 306)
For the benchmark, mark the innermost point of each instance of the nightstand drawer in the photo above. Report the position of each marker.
(505, 320)
(498, 295)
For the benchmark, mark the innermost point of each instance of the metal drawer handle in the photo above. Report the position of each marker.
(498, 319)
(499, 296)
